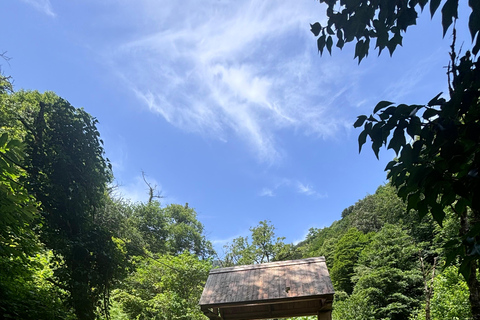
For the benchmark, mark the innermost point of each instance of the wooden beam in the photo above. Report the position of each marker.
(212, 315)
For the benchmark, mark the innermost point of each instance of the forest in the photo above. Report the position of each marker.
(71, 249)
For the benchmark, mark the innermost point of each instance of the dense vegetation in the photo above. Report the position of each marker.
(71, 250)
(68, 248)
(437, 143)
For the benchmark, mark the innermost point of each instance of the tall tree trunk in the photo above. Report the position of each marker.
(474, 289)
(467, 221)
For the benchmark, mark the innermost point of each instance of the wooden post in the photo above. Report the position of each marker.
(324, 315)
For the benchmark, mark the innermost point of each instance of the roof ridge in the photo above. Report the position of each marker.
(268, 265)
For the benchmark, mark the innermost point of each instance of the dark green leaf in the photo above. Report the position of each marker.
(437, 213)
(429, 113)
(422, 3)
(413, 200)
(362, 138)
(476, 48)
(3, 139)
(13, 143)
(474, 20)
(435, 101)
(329, 44)
(414, 127)
(315, 28)
(434, 6)
(397, 141)
(361, 119)
(466, 267)
(321, 44)
(381, 105)
(422, 208)
(449, 12)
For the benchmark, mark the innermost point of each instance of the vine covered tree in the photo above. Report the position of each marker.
(68, 175)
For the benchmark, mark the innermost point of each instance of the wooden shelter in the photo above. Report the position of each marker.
(269, 291)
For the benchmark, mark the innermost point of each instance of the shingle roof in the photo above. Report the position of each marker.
(270, 283)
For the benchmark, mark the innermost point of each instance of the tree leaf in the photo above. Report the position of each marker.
(321, 44)
(474, 19)
(3, 139)
(381, 105)
(329, 44)
(361, 119)
(435, 101)
(397, 141)
(429, 113)
(362, 138)
(449, 12)
(315, 28)
(434, 6)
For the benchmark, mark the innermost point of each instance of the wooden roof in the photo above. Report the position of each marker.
(276, 289)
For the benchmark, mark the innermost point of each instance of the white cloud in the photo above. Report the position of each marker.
(43, 6)
(305, 189)
(308, 190)
(266, 192)
(293, 186)
(246, 69)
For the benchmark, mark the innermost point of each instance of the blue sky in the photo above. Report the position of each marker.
(225, 105)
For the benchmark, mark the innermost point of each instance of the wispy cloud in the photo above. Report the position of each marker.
(308, 190)
(43, 6)
(292, 186)
(305, 189)
(243, 69)
(266, 192)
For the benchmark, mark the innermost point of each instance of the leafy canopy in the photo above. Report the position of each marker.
(383, 21)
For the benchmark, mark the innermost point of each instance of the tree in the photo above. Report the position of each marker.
(68, 175)
(388, 274)
(264, 247)
(355, 307)
(23, 294)
(347, 251)
(185, 232)
(166, 288)
(438, 167)
(450, 297)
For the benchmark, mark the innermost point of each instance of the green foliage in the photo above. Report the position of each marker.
(450, 298)
(383, 22)
(355, 307)
(26, 293)
(67, 174)
(18, 209)
(264, 247)
(166, 288)
(437, 144)
(347, 251)
(185, 232)
(160, 230)
(438, 168)
(20, 296)
(388, 274)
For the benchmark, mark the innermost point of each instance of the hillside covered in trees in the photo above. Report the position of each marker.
(70, 249)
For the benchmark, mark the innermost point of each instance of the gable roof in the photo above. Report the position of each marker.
(302, 286)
